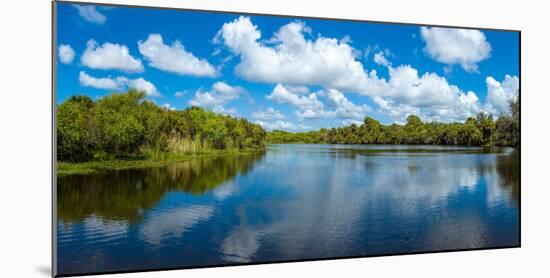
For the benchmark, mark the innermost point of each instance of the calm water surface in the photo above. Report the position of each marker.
(292, 202)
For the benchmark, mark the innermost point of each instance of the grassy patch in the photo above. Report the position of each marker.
(91, 167)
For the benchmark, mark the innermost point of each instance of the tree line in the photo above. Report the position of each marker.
(126, 125)
(481, 130)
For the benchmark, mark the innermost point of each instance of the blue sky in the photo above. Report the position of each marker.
(285, 73)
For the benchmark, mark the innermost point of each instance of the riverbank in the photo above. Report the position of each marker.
(91, 167)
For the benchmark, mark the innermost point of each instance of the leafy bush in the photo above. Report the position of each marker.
(126, 125)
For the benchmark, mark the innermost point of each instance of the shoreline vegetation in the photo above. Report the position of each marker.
(482, 130)
(91, 167)
(124, 131)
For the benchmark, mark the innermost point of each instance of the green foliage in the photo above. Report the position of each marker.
(479, 131)
(486, 127)
(118, 124)
(74, 142)
(127, 125)
(508, 127)
(310, 137)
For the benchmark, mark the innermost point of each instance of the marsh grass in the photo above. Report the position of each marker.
(188, 146)
(173, 150)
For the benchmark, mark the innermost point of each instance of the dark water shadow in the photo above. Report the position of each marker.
(509, 170)
(128, 194)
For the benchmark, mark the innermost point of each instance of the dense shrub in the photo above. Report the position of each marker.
(127, 125)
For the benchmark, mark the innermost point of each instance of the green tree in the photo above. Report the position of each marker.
(74, 140)
(508, 126)
(372, 131)
(487, 127)
(119, 123)
(413, 130)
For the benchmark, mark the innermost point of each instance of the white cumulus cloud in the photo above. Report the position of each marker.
(225, 111)
(311, 107)
(351, 121)
(297, 58)
(306, 104)
(290, 58)
(110, 56)
(66, 53)
(281, 125)
(105, 83)
(300, 90)
(214, 99)
(118, 83)
(456, 46)
(428, 95)
(90, 14)
(344, 108)
(499, 94)
(396, 111)
(174, 58)
(143, 85)
(380, 58)
(269, 114)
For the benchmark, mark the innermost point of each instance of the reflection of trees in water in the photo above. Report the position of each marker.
(508, 167)
(127, 194)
